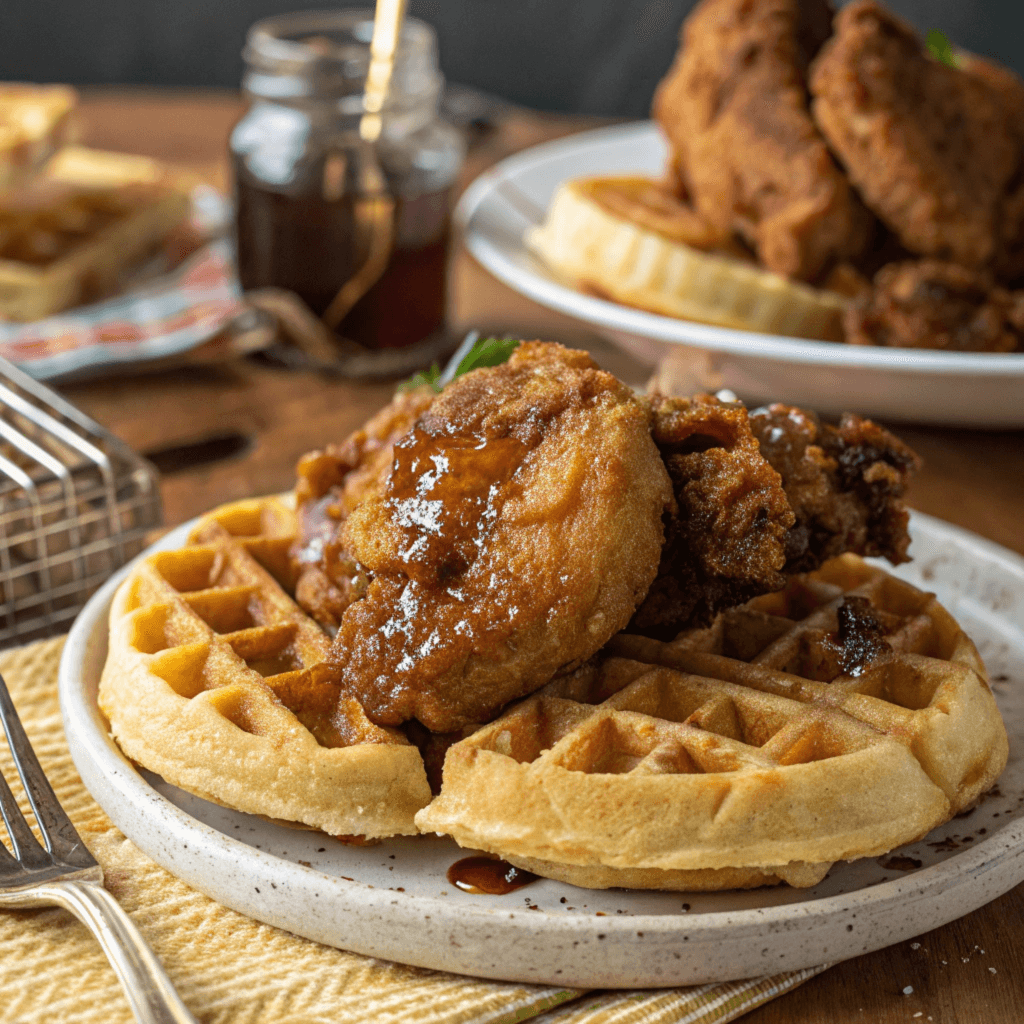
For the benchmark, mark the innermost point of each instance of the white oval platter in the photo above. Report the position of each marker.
(912, 385)
(393, 900)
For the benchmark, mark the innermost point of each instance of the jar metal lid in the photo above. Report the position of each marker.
(326, 55)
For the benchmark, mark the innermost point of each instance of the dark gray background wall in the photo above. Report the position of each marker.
(592, 56)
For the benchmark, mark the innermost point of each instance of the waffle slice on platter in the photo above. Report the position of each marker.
(840, 718)
(219, 682)
(626, 238)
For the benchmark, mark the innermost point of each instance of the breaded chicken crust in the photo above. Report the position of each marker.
(937, 305)
(845, 485)
(734, 107)
(762, 495)
(725, 535)
(935, 151)
(519, 527)
(1009, 87)
(330, 485)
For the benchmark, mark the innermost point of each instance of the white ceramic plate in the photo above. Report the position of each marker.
(955, 388)
(393, 900)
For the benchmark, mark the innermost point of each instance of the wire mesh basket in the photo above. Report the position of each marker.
(75, 505)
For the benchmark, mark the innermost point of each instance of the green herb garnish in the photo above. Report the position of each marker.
(431, 378)
(485, 352)
(940, 48)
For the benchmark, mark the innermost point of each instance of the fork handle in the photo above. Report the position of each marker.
(149, 990)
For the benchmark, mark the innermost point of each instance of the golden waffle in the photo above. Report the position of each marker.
(35, 121)
(218, 681)
(738, 755)
(607, 237)
(72, 234)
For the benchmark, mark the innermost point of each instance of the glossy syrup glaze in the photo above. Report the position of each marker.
(445, 493)
(437, 593)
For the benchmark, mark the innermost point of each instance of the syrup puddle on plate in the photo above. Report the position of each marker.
(487, 876)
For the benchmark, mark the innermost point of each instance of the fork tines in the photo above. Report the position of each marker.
(64, 848)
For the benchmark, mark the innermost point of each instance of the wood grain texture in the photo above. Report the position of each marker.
(972, 478)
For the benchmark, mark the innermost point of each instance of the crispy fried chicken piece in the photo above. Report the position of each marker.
(1009, 87)
(931, 304)
(331, 484)
(935, 151)
(734, 107)
(518, 529)
(763, 495)
(844, 484)
(481, 541)
(725, 535)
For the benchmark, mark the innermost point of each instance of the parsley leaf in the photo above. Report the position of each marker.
(939, 47)
(485, 352)
(431, 378)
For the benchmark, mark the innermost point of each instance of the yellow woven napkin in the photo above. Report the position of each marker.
(233, 970)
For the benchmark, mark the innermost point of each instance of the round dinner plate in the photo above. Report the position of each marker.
(393, 900)
(977, 389)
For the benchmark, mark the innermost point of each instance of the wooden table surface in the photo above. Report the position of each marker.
(969, 971)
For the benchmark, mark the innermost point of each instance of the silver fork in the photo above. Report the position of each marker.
(67, 875)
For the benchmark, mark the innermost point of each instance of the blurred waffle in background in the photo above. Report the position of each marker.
(106, 258)
(73, 221)
(74, 232)
(35, 121)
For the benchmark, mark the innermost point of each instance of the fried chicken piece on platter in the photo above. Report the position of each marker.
(518, 529)
(763, 495)
(331, 484)
(734, 107)
(1009, 87)
(935, 151)
(937, 305)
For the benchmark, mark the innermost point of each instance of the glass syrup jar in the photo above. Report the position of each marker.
(301, 174)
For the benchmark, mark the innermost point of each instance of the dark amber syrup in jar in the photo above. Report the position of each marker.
(300, 240)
